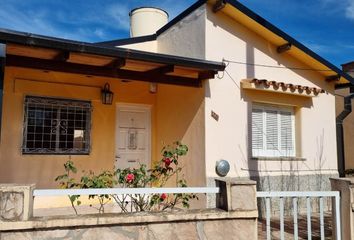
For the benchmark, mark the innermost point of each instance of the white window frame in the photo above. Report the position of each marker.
(278, 152)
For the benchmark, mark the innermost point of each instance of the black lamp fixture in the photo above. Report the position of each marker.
(107, 95)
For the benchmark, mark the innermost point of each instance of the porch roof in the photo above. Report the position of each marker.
(55, 54)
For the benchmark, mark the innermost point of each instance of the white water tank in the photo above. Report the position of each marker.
(146, 20)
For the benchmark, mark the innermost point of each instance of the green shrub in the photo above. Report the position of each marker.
(163, 171)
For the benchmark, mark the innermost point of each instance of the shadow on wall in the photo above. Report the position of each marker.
(250, 96)
(180, 116)
(250, 71)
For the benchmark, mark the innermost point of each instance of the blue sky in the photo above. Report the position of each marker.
(325, 26)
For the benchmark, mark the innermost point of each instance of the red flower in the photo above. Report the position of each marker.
(163, 196)
(129, 178)
(167, 162)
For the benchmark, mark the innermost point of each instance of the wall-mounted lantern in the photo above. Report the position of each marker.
(153, 87)
(107, 95)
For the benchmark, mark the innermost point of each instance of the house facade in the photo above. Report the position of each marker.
(218, 77)
(53, 108)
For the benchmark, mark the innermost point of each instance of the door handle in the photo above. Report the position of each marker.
(117, 156)
(132, 160)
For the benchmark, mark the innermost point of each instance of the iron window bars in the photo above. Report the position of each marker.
(56, 126)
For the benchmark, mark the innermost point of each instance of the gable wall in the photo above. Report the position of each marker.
(186, 38)
(315, 117)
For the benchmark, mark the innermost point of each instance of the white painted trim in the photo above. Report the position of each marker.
(308, 196)
(136, 106)
(119, 191)
(299, 194)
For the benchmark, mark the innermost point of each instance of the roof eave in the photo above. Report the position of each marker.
(127, 41)
(257, 18)
(8, 36)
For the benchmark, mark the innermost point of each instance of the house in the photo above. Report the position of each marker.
(218, 77)
(346, 120)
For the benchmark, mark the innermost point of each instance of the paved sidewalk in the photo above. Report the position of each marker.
(302, 227)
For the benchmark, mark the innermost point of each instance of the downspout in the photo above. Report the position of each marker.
(340, 136)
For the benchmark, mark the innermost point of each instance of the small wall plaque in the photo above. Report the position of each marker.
(215, 115)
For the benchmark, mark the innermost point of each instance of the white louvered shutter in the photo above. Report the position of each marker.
(273, 131)
(257, 131)
(286, 131)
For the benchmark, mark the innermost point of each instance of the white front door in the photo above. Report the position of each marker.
(133, 135)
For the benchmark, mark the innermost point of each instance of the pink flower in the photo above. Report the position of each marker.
(167, 162)
(129, 178)
(163, 196)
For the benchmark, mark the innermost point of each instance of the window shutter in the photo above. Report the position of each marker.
(272, 129)
(257, 129)
(287, 143)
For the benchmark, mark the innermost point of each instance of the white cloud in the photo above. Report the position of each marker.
(62, 22)
(349, 11)
(38, 22)
(100, 33)
(339, 6)
(119, 13)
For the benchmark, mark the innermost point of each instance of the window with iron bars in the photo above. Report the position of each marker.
(56, 126)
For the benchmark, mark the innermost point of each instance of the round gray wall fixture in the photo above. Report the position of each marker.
(222, 168)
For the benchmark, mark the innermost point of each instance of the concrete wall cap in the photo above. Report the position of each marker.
(346, 179)
(15, 186)
(236, 181)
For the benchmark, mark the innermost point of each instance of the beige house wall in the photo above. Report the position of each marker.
(228, 138)
(180, 116)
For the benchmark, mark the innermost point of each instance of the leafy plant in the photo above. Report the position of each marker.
(163, 171)
(133, 178)
(166, 169)
(66, 181)
(106, 179)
